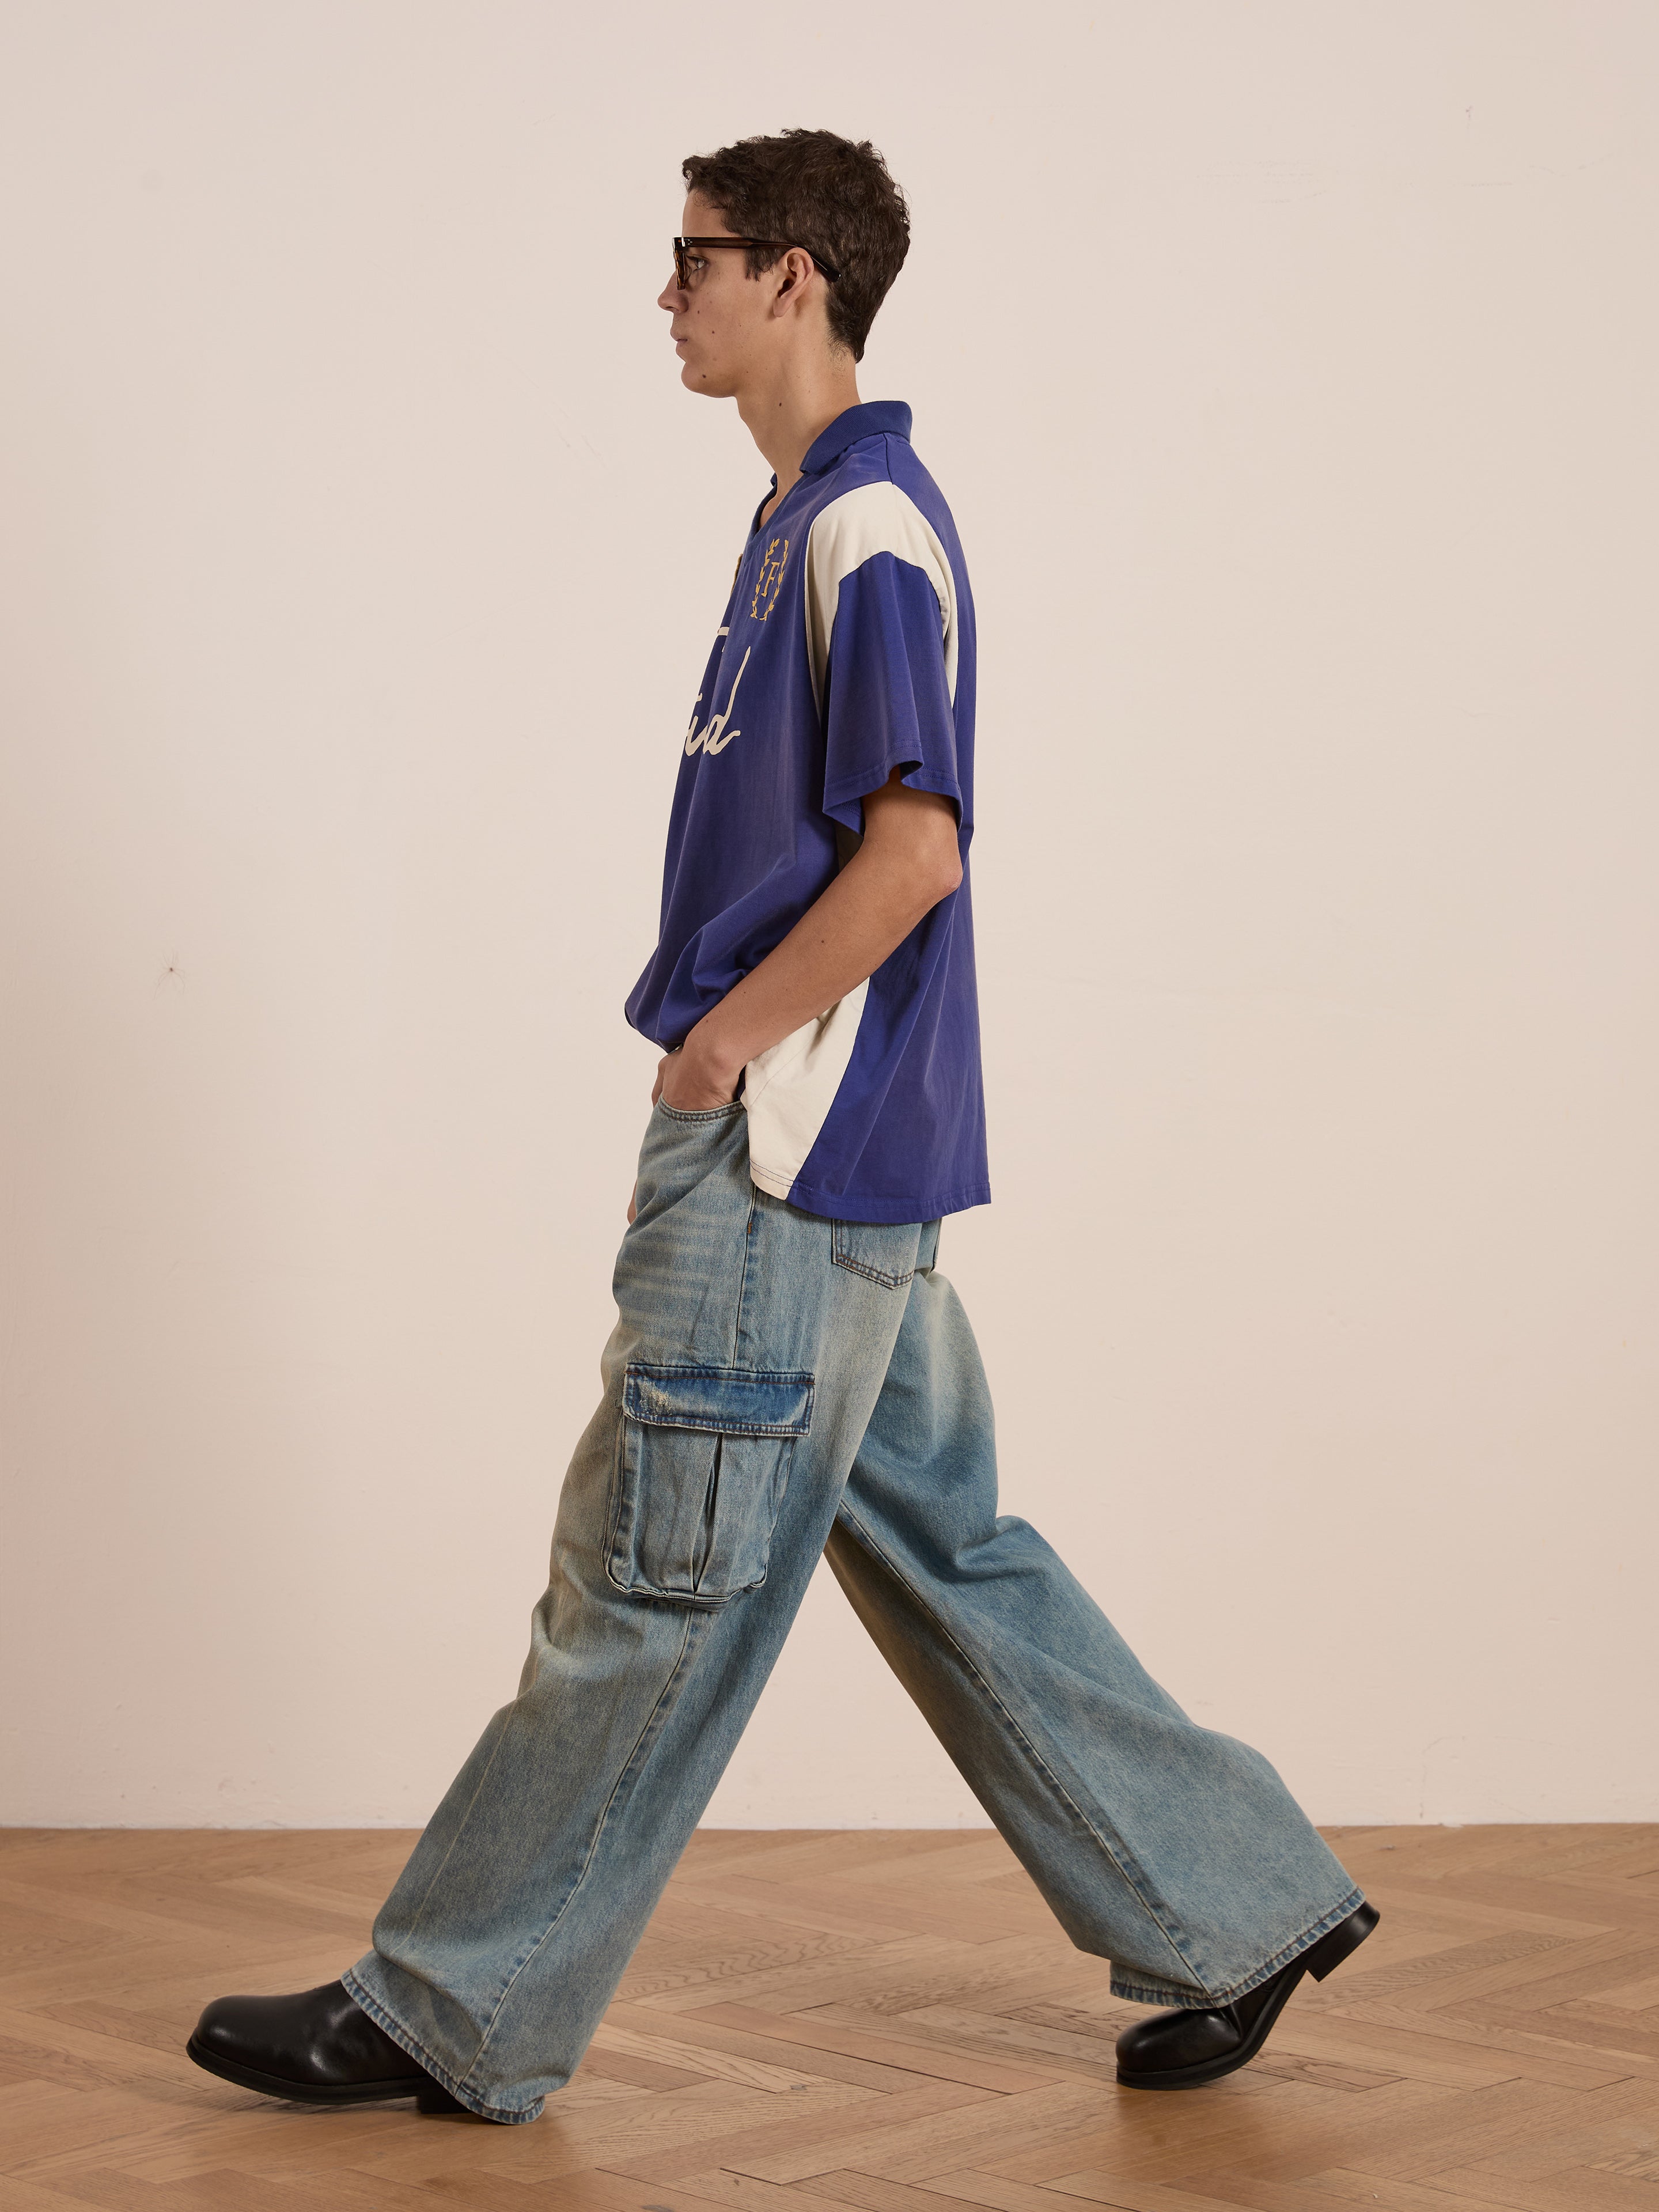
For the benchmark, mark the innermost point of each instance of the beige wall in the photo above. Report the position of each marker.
(1292, 372)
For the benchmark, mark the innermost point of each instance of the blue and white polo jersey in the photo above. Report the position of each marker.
(846, 651)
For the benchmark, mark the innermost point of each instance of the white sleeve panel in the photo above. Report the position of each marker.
(876, 518)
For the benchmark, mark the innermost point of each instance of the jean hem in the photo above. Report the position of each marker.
(1187, 2000)
(389, 2024)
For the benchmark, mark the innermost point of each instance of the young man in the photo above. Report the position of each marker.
(790, 1374)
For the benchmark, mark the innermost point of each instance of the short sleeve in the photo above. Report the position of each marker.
(880, 622)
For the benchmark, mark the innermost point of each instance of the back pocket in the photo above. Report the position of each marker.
(882, 1251)
(704, 1464)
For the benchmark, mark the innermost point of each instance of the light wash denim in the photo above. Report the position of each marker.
(777, 1384)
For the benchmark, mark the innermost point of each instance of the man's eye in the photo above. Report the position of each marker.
(695, 264)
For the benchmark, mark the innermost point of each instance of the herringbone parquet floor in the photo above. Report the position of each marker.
(889, 2021)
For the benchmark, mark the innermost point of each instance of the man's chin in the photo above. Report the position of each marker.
(705, 382)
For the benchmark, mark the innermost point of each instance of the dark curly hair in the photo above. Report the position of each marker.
(811, 188)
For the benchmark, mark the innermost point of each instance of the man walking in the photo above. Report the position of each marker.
(790, 1374)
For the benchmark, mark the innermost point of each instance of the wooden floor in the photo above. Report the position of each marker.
(888, 2020)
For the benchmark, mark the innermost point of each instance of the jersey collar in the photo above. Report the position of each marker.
(876, 418)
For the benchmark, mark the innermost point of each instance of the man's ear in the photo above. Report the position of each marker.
(795, 273)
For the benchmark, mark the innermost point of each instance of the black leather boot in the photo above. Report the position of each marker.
(1184, 2049)
(319, 2048)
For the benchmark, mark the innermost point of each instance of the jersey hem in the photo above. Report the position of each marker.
(833, 1207)
(775, 1185)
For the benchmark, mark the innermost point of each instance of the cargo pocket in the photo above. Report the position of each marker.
(703, 1465)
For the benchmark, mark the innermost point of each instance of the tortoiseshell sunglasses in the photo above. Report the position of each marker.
(684, 246)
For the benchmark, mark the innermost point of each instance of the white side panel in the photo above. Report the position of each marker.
(790, 1088)
(877, 518)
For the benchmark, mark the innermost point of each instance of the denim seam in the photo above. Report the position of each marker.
(389, 2024)
(614, 1503)
(723, 1428)
(742, 1275)
(648, 1593)
(1038, 1763)
(652, 1726)
(874, 1275)
(710, 1370)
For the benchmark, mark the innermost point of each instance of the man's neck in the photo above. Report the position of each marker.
(784, 414)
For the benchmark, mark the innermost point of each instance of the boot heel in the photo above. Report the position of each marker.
(1342, 1940)
(437, 2099)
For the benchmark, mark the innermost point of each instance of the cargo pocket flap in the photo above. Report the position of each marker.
(735, 1401)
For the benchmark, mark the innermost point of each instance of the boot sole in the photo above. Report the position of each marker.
(429, 2095)
(1319, 1960)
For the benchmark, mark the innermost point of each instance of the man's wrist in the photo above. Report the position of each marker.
(710, 1059)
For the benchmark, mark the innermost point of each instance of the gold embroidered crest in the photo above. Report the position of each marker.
(768, 583)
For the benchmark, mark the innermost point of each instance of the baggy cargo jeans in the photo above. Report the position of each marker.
(779, 1385)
